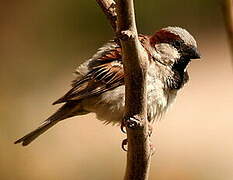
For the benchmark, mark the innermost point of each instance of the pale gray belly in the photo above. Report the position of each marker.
(109, 106)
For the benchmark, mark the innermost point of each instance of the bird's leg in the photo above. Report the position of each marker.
(123, 129)
(133, 122)
(129, 122)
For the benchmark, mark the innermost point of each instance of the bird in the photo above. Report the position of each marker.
(99, 85)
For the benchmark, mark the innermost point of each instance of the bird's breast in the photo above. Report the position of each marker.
(159, 97)
(110, 105)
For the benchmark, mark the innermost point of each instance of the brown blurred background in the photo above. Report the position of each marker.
(42, 42)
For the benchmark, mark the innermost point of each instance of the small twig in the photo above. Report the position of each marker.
(227, 9)
(109, 9)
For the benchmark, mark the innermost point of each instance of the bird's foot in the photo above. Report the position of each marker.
(123, 128)
(129, 122)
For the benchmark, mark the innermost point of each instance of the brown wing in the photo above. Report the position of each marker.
(105, 73)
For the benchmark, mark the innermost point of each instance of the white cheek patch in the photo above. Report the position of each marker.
(167, 53)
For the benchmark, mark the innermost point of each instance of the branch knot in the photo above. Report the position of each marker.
(125, 35)
(112, 10)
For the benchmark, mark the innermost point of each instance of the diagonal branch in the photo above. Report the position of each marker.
(108, 7)
(135, 67)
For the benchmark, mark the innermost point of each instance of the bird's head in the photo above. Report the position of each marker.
(178, 42)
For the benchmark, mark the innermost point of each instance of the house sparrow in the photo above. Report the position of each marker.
(99, 84)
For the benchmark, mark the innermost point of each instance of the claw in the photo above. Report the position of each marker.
(123, 144)
(130, 122)
(123, 128)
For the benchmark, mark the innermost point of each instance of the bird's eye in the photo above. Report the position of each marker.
(177, 43)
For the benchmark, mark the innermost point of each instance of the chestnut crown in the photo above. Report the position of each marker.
(180, 39)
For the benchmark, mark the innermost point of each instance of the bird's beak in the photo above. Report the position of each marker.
(194, 53)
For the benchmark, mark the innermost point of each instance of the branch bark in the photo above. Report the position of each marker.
(227, 9)
(135, 61)
(109, 9)
(135, 68)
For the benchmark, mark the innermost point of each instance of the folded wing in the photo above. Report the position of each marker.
(104, 73)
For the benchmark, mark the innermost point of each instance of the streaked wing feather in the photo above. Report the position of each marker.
(106, 73)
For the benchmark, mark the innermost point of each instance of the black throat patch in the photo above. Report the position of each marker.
(179, 77)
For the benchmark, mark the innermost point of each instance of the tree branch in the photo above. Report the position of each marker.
(108, 7)
(135, 68)
(227, 9)
(135, 61)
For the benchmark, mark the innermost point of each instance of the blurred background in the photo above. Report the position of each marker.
(42, 42)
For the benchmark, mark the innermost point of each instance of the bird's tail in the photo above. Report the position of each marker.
(27, 139)
(67, 110)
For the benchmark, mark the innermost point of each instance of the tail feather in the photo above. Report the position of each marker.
(67, 110)
(27, 139)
